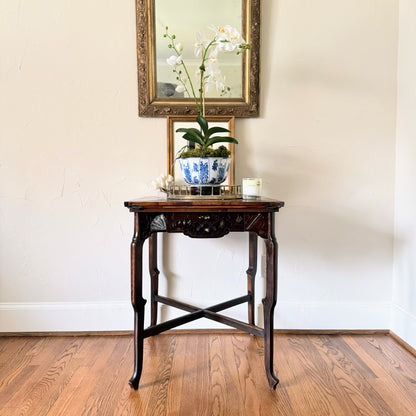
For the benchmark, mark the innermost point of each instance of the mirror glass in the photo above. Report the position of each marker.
(185, 19)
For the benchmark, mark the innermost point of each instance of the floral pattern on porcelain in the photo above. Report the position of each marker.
(205, 170)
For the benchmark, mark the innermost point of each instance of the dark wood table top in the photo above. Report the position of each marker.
(163, 204)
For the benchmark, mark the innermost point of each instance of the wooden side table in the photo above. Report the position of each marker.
(203, 219)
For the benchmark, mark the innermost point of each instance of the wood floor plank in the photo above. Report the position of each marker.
(195, 382)
(390, 392)
(14, 359)
(174, 393)
(256, 395)
(111, 376)
(15, 349)
(164, 374)
(43, 390)
(328, 378)
(282, 404)
(307, 393)
(207, 374)
(72, 399)
(132, 402)
(36, 372)
(352, 374)
(238, 375)
(399, 363)
(222, 389)
(378, 370)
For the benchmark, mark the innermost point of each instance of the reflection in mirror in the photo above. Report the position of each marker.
(186, 20)
(156, 82)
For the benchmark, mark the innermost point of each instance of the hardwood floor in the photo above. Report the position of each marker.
(207, 374)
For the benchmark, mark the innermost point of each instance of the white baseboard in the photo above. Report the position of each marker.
(403, 324)
(65, 316)
(333, 315)
(118, 316)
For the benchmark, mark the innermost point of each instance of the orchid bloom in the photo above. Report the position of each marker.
(225, 39)
(174, 60)
(200, 44)
(215, 80)
(228, 38)
(213, 55)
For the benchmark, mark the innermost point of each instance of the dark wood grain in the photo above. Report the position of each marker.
(200, 205)
(251, 275)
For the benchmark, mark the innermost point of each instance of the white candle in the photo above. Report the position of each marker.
(251, 187)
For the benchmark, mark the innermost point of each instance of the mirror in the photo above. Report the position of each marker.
(171, 13)
(185, 18)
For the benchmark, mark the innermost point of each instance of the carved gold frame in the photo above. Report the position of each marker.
(171, 120)
(152, 106)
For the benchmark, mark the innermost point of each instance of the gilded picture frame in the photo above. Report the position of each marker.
(175, 142)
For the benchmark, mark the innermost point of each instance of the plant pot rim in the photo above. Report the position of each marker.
(205, 157)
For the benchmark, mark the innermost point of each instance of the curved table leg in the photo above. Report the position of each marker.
(138, 303)
(154, 278)
(138, 348)
(251, 274)
(269, 303)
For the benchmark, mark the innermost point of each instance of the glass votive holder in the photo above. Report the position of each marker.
(252, 188)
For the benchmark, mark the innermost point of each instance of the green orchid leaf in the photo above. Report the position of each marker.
(191, 130)
(192, 137)
(217, 129)
(202, 121)
(219, 139)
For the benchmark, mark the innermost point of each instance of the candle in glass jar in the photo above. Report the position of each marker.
(251, 187)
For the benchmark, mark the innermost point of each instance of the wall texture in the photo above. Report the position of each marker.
(404, 283)
(72, 149)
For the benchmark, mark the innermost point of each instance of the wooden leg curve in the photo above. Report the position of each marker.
(138, 304)
(251, 275)
(138, 349)
(269, 303)
(154, 278)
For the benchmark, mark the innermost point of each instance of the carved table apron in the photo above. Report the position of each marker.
(203, 219)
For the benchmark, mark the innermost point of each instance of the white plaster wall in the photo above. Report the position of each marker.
(404, 283)
(72, 149)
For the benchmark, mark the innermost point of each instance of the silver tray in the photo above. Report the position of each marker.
(204, 191)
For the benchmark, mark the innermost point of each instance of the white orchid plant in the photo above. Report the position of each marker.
(223, 39)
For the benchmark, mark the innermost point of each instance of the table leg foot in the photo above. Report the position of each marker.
(268, 358)
(272, 379)
(134, 382)
(138, 348)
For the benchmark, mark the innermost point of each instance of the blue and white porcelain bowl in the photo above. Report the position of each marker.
(205, 170)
